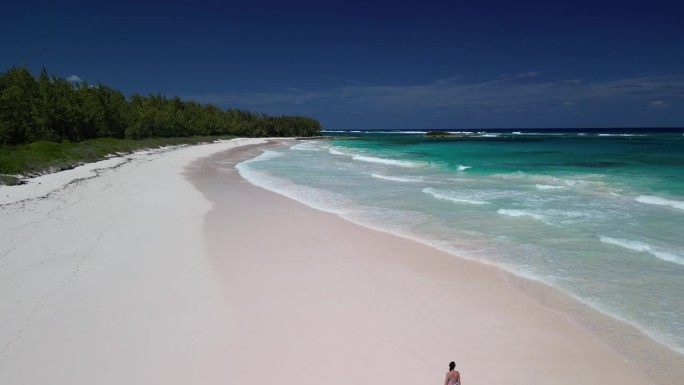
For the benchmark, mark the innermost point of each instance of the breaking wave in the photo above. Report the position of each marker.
(391, 162)
(548, 187)
(396, 178)
(451, 196)
(643, 247)
(520, 213)
(658, 201)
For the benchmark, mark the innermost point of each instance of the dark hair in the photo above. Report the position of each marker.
(452, 365)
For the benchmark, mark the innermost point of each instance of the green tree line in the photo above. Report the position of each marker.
(51, 108)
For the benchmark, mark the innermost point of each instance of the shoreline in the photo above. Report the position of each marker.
(515, 284)
(661, 363)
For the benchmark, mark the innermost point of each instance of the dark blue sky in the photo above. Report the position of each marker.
(374, 64)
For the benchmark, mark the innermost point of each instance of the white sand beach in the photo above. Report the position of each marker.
(167, 269)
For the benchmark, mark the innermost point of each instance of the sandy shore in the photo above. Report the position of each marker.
(318, 299)
(105, 280)
(171, 269)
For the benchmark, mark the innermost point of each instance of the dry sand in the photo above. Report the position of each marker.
(138, 276)
(105, 280)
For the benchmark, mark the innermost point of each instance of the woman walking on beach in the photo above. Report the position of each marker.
(453, 377)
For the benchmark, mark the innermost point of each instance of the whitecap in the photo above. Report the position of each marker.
(626, 243)
(548, 187)
(543, 179)
(658, 201)
(305, 146)
(392, 162)
(643, 247)
(335, 151)
(396, 178)
(463, 168)
(520, 213)
(451, 196)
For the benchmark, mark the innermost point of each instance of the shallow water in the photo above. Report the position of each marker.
(599, 216)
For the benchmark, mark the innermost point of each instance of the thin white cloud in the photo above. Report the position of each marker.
(74, 79)
(627, 86)
(449, 80)
(501, 95)
(529, 74)
(658, 104)
(483, 98)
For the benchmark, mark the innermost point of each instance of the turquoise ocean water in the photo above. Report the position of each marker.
(598, 215)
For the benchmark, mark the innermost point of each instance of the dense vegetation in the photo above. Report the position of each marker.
(48, 123)
(53, 109)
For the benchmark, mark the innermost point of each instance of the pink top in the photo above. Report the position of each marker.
(453, 378)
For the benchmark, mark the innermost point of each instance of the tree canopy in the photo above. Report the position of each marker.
(51, 108)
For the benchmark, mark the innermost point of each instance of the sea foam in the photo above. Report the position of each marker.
(335, 151)
(522, 194)
(541, 179)
(520, 213)
(264, 156)
(316, 198)
(548, 187)
(654, 200)
(643, 247)
(396, 178)
(392, 162)
(451, 196)
(306, 146)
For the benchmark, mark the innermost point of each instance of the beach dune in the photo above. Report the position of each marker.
(172, 269)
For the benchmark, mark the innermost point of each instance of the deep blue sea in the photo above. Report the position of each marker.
(597, 214)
